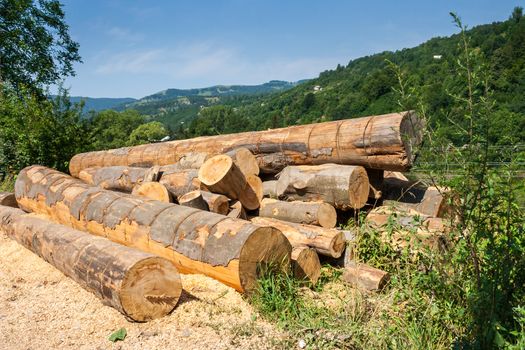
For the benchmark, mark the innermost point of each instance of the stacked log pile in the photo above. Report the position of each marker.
(202, 205)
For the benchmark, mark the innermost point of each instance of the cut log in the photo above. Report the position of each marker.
(237, 211)
(348, 255)
(245, 161)
(270, 189)
(193, 199)
(217, 203)
(427, 200)
(152, 190)
(365, 277)
(8, 199)
(141, 286)
(229, 250)
(256, 185)
(179, 182)
(310, 213)
(378, 142)
(343, 186)
(118, 178)
(220, 175)
(409, 227)
(306, 264)
(326, 241)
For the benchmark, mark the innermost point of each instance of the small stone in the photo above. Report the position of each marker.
(186, 333)
(301, 344)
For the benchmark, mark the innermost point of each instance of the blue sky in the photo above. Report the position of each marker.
(136, 48)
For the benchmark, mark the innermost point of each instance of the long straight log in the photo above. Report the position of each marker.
(141, 286)
(343, 186)
(119, 178)
(379, 142)
(310, 213)
(325, 241)
(229, 250)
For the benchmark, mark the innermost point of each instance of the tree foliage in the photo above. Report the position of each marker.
(147, 133)
(35, 46)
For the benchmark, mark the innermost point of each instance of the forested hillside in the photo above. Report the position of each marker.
(365, 86)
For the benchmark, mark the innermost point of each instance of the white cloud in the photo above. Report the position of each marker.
(124, 35)
(205, 63)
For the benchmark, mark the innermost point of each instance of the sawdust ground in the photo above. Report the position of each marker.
(40, 308)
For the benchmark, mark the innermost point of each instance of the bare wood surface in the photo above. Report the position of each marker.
(141, 286)
(8, 199)
(220, 175)
(152, 190)
(326, 241)
(365, 277)
(217, 246)
(306, 264)
(245, 161)
(310, 213)
(270, 189)
(379, 142)
(237, 211)
(343, 186)
(119, 178)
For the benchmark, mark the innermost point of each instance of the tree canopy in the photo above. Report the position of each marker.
(35, 46)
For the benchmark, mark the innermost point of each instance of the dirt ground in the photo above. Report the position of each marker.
(40, 308)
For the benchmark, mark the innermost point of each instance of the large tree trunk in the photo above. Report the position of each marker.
(310, 213)
(306, 264)
(142, 286)
(343, 186)
(326, 241)
(8, 199)
(380, 142)
(197, 241)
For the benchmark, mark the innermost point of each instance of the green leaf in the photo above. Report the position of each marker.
(118, 335)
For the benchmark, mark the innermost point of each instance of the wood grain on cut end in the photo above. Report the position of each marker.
(151, 289)
(8, 199)
(152, 190)
(215, 169)
(245, 160)
(266, 248)
(306, 264)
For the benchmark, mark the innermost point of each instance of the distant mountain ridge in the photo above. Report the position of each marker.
(100, 103)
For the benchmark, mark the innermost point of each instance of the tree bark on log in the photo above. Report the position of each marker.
(220, 175)
(237, 211)
(306, 264)
(378, 142)
(197, 241)
(141, 286)
(343, 186)
(152, 190)
(365, 277)
(309, 213)
(217, 203)
(325, 241)
(194, 199)
(8, 199)
(179, 182)
(118, 178)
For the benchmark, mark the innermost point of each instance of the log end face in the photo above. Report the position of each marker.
(215, 169)
(266, 249)
(152, 190)
(337, 245)
(359, 188)
(327, 215)
(411, 131)
(151, 289)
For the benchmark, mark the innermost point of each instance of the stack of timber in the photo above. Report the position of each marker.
(141, 286)
(200, 206)
(227, 249)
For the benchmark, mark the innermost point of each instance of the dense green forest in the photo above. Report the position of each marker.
(365, 86)
(469, 87)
